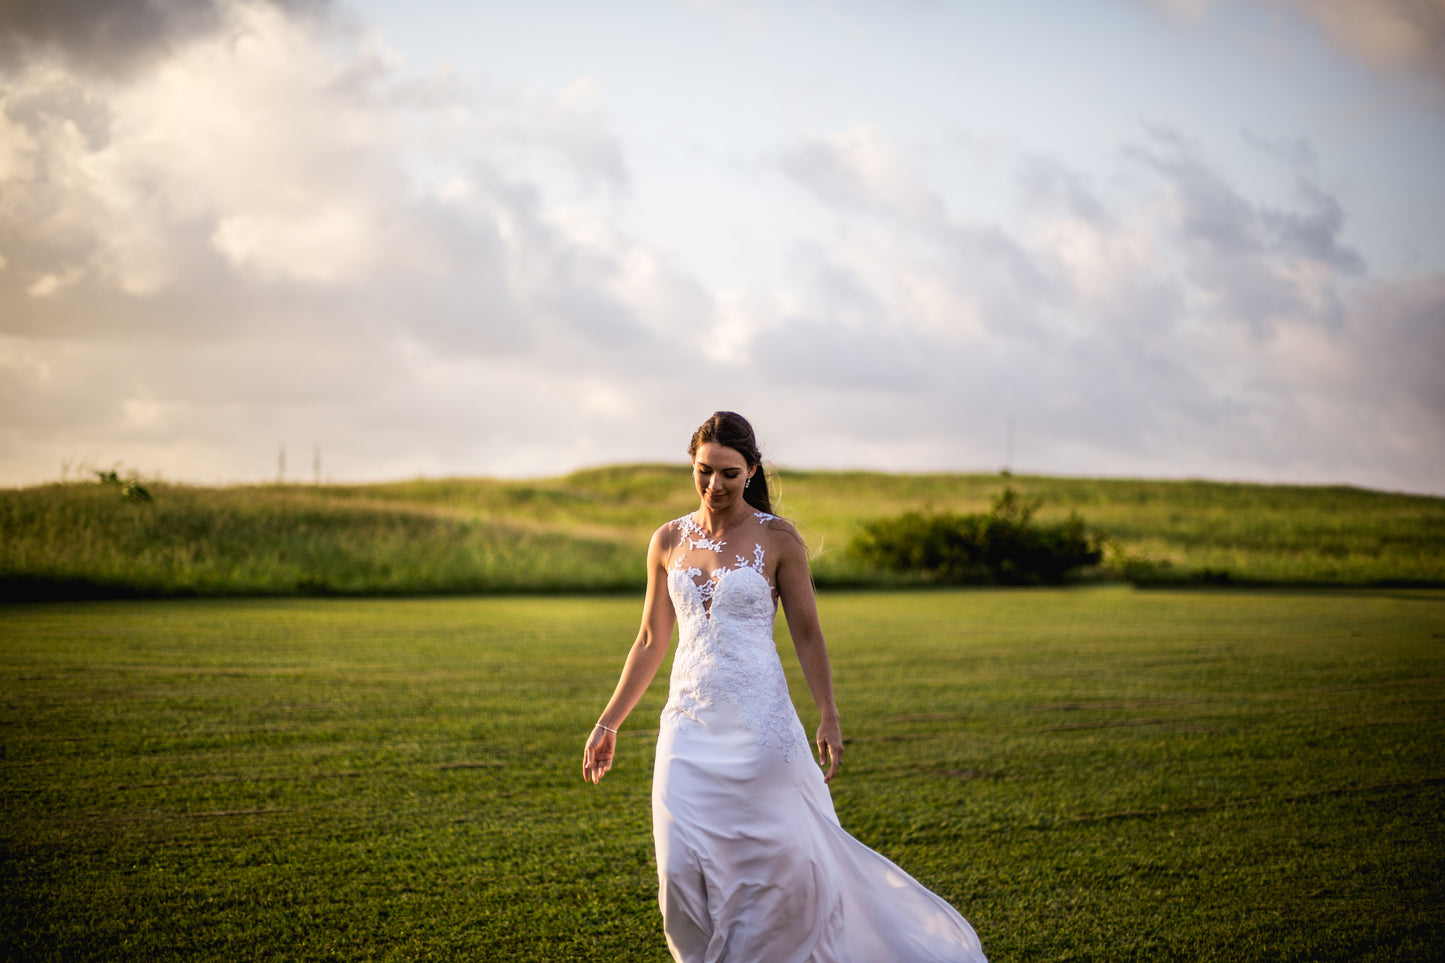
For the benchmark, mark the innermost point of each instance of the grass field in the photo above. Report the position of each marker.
(1088, 774)
(588, 531)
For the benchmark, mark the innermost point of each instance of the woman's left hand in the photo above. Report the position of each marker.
(830, 747)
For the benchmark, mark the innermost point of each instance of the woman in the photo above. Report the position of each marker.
(752, 864)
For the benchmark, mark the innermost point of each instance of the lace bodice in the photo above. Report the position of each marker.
(725, 652)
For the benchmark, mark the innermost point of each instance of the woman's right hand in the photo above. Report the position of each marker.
(597, 757)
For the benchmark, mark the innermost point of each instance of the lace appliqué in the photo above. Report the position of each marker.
(725, 647)
(695, 537)
(756, 564)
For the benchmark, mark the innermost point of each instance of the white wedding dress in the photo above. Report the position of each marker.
(753, 866)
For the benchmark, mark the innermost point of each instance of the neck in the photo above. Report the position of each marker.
(714, 522)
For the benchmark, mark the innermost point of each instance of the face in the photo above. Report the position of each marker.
(720, 473)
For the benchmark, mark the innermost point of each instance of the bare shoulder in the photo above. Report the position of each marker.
(783, 537)
(665, 537)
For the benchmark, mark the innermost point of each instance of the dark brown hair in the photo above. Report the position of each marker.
(731, 430)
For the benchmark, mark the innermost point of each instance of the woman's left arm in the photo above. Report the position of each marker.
(795, 591)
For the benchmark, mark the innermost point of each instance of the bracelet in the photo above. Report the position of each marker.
(608, 728)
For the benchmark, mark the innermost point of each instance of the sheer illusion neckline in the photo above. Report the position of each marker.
(706, 585)
(694, 532)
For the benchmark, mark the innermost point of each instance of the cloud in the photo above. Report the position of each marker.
(1404, 36)
(1401, 334)
(116, 37)
(861, 169)
(255, 159)
(1395, 34)
(1181, 322)
(265, 229)
(1253, 263)
(1047, 181)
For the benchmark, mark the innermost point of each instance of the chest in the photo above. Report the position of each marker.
(704, 570)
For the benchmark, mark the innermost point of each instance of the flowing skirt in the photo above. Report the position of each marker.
(753, 866)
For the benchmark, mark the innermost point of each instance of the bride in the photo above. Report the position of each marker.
(752, 864)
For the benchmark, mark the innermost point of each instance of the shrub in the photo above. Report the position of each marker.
(130, 488)
(1003, 546)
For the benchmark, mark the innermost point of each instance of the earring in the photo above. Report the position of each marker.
(748, 482)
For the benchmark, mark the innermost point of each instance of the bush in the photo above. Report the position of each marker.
(130, 488)
(1001, 547)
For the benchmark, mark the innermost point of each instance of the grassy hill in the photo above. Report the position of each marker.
(588, 531)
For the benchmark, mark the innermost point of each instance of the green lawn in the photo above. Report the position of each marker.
(1088, 774)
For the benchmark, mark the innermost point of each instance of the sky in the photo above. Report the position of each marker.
(360, 240)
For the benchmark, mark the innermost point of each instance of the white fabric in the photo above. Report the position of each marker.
(753, 866)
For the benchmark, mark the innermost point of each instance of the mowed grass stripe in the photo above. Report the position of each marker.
(1089, 774)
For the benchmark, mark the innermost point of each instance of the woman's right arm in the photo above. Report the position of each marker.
(658, 617)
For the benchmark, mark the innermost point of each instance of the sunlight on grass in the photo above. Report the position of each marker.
(588, 532)
(1088, 774)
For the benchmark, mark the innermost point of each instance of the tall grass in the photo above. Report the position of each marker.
(1179, 531)
(588, 531)
(77, 541)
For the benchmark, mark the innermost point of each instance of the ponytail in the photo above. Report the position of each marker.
(756, 494)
